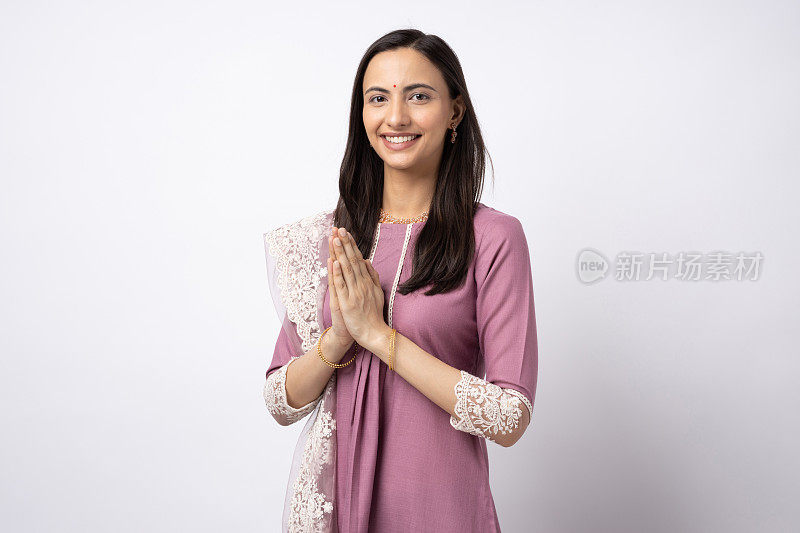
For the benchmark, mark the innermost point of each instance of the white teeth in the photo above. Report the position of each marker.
(401, 139)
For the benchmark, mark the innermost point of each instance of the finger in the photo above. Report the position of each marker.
(332, 287)
(335, 304)
(362, 262)
(355, 257)
(347, 244)
(331, 251)
(333, 235)
(331, 256)
(339, 280)
(346, 267)
(372, 272)
(356, 249)
(334, 248)
(334, 252)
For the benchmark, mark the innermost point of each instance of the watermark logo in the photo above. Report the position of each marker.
(592, 266)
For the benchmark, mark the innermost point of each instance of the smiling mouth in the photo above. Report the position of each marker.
(401, 138)
(401, 142)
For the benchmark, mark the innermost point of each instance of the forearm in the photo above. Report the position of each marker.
(432, 377)
(307, 376)
(428, 374)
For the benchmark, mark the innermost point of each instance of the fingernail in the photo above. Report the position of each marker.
(342, 232)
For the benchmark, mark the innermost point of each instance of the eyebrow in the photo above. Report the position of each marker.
(405, 89)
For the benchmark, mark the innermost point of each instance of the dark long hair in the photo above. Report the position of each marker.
(446, 243)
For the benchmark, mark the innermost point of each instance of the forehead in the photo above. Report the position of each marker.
(401, 67)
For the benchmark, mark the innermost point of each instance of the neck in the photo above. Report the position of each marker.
(407, 194)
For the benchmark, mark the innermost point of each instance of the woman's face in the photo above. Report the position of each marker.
(405, 93)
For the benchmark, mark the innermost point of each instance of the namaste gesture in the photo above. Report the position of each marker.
(356, 296)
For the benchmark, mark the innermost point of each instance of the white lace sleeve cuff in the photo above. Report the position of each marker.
(275, 398)
(486, 410)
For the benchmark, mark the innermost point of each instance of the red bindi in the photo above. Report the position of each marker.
(394, 85)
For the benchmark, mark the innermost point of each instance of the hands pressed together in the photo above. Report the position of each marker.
(355, 293)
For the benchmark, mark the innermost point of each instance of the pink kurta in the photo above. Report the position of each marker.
(401, 464)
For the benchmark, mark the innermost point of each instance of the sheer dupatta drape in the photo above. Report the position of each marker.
(297, 255)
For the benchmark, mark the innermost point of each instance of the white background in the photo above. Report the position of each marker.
(146, 146)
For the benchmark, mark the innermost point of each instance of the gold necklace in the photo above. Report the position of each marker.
(386, 218)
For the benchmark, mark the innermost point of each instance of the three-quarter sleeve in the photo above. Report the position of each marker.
(492, 407)
(275, 386)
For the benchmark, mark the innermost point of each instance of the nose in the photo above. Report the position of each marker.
(397, 113)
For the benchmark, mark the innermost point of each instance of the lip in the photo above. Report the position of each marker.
(398, 146)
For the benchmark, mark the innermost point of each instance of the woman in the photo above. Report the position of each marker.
(420, 346)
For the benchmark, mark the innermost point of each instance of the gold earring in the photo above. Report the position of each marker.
(453, 136)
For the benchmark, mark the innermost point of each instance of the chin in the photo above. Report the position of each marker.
(399, 164)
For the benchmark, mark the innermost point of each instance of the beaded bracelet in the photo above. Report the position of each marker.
(334, 365)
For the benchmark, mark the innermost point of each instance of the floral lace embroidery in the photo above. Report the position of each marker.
(484, 409)
(299, 271)
(309, 503)
(295, 247)
(275, 398)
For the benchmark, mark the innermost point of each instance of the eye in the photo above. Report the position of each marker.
(425, 96)
(374, 97)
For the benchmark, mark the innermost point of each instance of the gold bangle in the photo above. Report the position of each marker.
(391, 348)
(334, 365)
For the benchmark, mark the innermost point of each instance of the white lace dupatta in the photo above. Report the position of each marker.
(297, 255)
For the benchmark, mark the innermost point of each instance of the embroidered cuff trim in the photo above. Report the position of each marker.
(275, 398)
(484, 409)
